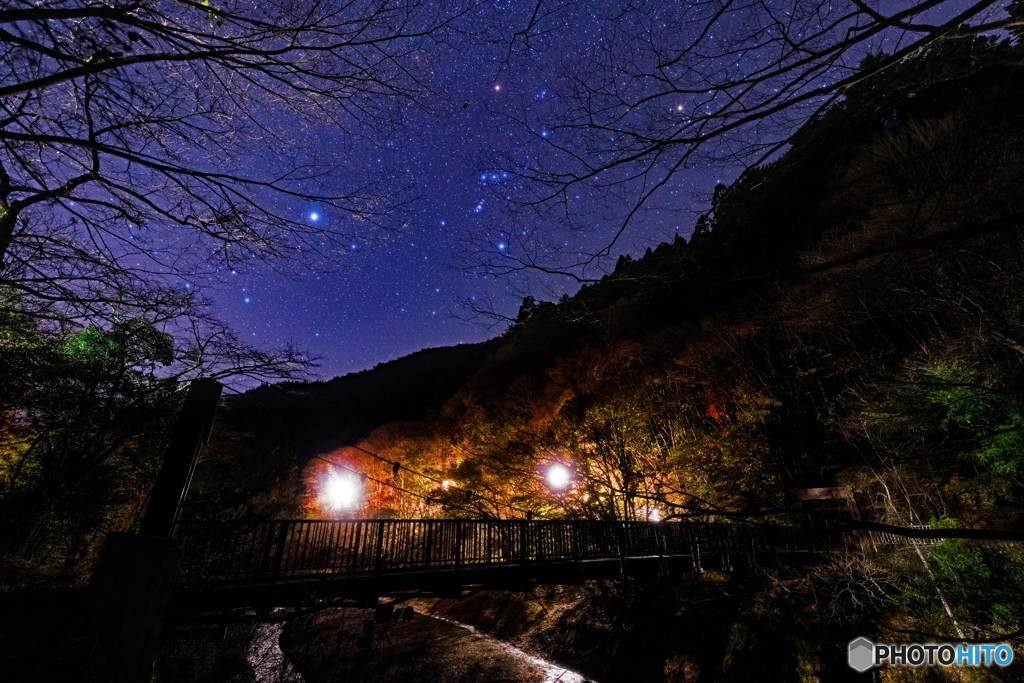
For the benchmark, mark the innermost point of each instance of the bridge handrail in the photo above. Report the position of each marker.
(271, 550)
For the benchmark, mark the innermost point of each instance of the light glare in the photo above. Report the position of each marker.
(558, 476)
(341, 491)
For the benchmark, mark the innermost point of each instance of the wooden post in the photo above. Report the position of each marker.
(135, 575)
(191, 431)
(130, 590)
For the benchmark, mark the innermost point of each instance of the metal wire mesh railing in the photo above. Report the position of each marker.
(281, 549)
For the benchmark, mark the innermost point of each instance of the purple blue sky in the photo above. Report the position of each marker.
(496, 102)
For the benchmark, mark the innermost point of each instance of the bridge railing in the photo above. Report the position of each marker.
(281, 549)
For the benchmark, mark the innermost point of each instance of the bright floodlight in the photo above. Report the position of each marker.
(654, 515)
(558, 476)
(341, 491)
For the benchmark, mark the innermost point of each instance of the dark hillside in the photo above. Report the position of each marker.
(759, 228)
(312, 417)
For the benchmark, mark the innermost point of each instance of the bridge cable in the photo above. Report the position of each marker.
(429, 499)
(394, 464)
(400, 466)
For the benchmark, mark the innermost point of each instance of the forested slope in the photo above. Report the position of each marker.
(849, 316)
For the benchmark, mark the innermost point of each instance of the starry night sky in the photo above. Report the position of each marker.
(417, 287)
(495, 103)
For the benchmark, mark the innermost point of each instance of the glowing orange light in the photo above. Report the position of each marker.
(558, 476)
(341, 491)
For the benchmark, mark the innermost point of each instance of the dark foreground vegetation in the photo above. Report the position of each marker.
(848, 317)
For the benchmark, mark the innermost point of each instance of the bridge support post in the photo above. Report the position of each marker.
(695, 537)
(577, 550)
(378, 560)
(429, 544)
(523, 545)
(725, 546)
(622, 530)
(459, 538)
(134, 576)
(280, 540)
(659, 538)
(191, 431)
(131, 586)
(489, 552)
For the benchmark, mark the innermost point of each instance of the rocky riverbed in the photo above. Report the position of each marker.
(350, 644)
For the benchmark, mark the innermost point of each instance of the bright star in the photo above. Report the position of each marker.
(314, 216)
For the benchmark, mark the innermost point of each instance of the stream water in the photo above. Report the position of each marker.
(553, 673)
(268, 662)
(427, 648)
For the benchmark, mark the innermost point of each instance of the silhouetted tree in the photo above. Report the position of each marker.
(82, 417)
(673, 87)
(149, 138)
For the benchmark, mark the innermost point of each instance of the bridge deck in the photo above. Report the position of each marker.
(290, 562)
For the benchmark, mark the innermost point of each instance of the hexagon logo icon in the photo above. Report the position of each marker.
(861, 654)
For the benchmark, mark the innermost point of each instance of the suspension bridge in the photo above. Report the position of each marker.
(280, 563)
(172, 569)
